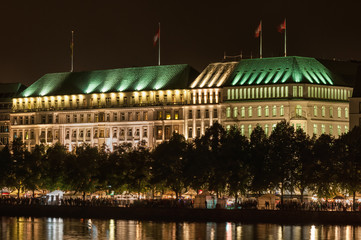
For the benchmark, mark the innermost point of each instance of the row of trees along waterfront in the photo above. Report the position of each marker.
(221, 161)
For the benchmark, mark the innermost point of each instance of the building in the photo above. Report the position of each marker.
(148, 104)
(7, 92)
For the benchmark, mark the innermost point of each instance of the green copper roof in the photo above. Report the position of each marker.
(113, 80)
(10, 90)
(282, 70)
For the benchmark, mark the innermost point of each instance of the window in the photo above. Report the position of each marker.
(115, 117)
(137, 116)
(68, 118)
(243, 112)
(168, 115)
(331, 129)
(228, 112)
(108, 117)
(81, 118)
(346, 129)
(331, 112)
(300, 91)
(137, 132)
(259, 111)
(315, 129)
(206, 114)
(176, 129)
(32, 120)
(249, 130)
(89, 118)
(294, 91)
(274, 111)
(235, 112)
(130, 132)
(145, 116)
(75, 118)
(122, 116)
(298, 110)
(88, 133)
(338, 112)
(323, 128)
(190, 132)
(67, 134)
(130, 116)
(282, 110)
(114, 133)
(266, 111)
(266, 129)
(145, 132)
(215, 113)
(242, 130)
(323, 111)
(338, 130)
(346, 112)
(249, 111)
(81, 133)
(198, 113)
(198, 131)
(315, 111)
(190, 114)
(95, 133)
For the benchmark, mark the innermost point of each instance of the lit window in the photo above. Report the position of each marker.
(235, 112)
(249, 130)
(249, 111)
(331, 129)
(294, 91)
(274, 111)
(346, 112)
(266, 129)
(242, 130)
(331, 112)
(338, 112)
(176, 115)
(282, 110)
(243, 112)
(266, 111)
(323, 129)
(315, 129)
(190, 132)
(168, 116)
(259, 111)
(315, 111)
(323, 111)
(228, 112)
(346, 129)
(338, 130)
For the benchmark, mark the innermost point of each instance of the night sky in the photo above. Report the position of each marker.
(114, 34)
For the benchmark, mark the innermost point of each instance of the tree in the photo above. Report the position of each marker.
(168, 165)
(33, 165)
(304, 161)
(348, 160)
(259, 165)
(18, 168)
(235, 157)
(53, 167)
(5, 167)
(281, 155)
(325, 173)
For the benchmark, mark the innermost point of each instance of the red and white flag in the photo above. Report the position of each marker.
(156, 37)
(258, 30)
(282, 26)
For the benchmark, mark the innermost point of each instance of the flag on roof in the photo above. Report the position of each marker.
(156, 37)
(282, 26)
(258, 30)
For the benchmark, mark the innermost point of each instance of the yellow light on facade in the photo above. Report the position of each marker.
(113, 95)
(73, 97)
(160, 92)
(177, 92)
(59, 98)
(45, 98)
(81, 96)
(66, 97)
(102, 95)
(52, 98)
(31, 99)
(26, 100)
(95, 95)
(144, 93)
(121, 94)
(14, 101)
(136, 94)
(169, 91)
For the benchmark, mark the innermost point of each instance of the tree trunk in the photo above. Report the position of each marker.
(282, 195)
(19, 192)
(83, 196)
(235, 200)
(302, 191)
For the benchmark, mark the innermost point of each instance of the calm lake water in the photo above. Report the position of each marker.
(59, 228)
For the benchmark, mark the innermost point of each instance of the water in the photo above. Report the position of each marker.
(59, 228)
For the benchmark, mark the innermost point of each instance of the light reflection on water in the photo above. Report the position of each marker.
(59, 228)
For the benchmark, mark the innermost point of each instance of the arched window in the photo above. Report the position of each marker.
(298, 110)
(346, 112)
(266, 111)
(323, 111)
(228, 112)
(282, 110)
(315, 111)
(338, 112)
(235, 112)
(249, 111)
(274, 111)
(243, 112)
(259, 111)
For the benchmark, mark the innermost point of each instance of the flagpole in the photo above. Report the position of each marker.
(260, 41)
(72, 51)
(285, 38)
(159, 47)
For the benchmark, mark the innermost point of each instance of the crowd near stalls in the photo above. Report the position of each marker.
(224, 163)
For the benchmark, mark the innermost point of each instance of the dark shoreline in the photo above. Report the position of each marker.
(290, 217)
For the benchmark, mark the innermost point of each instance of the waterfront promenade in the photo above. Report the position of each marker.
(186, 214)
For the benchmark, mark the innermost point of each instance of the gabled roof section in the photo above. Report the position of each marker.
(214, 75)
(113, 80)
(10, 90)
(282, 70)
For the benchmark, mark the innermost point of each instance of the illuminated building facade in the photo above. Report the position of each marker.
(7, 92)
(150, 103)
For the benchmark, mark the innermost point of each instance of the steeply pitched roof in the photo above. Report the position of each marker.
(113, 80)
(10, 90)
(283, 70)
(214, 75)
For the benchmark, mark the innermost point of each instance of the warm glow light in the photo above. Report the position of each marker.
(95, 95)
(177, 92)
(144, 93)
(52, 98)
(121, 94)
(102, 95)
(45, 99)
(66, 97)
(59, 98)
(113, 95)
(81, 96)
(74, 97)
